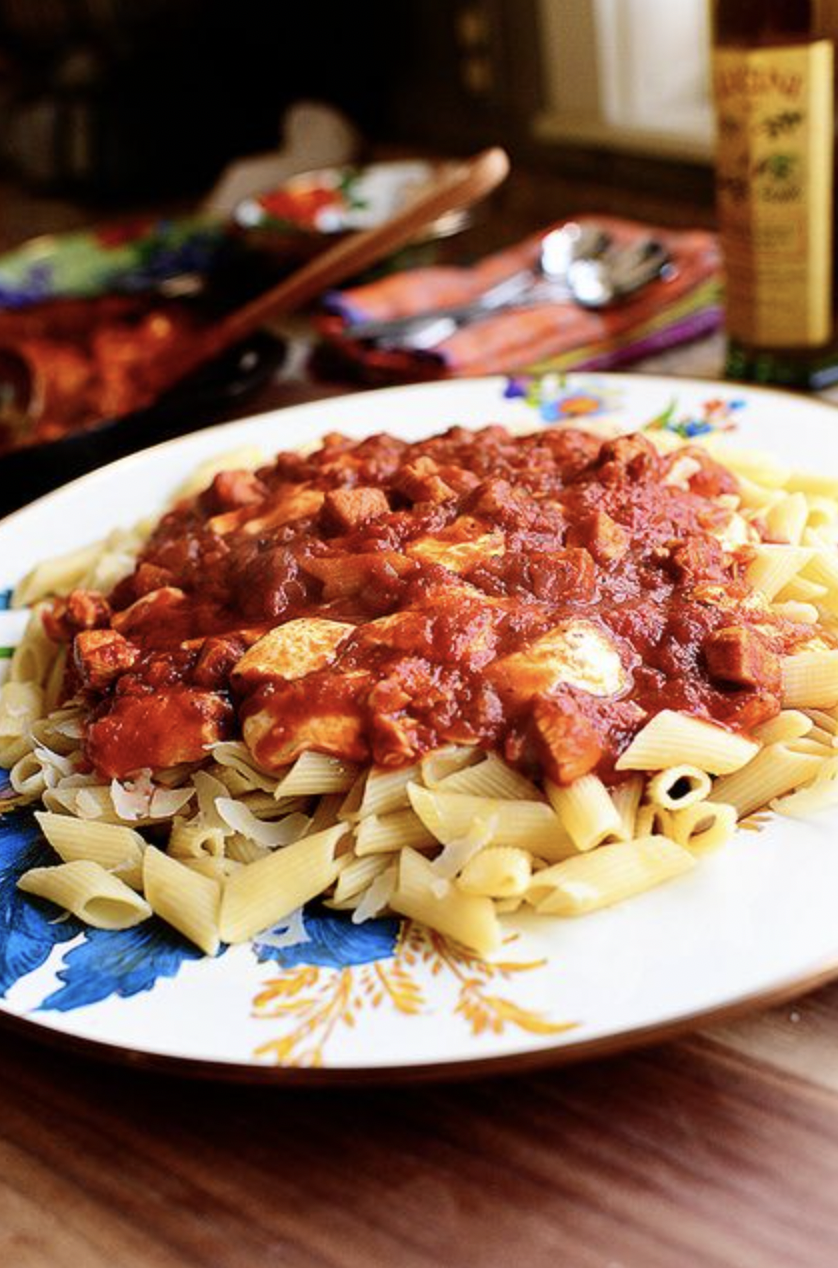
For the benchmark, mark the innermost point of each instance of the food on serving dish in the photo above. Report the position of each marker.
(88, 360)
(447, 679)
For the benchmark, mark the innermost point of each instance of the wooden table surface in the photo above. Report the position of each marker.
(716, 1151)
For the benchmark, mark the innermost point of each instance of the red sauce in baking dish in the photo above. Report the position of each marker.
(87, 361)
(610, 534)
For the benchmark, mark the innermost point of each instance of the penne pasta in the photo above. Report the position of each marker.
(193, 839)
(386, 790)
(678, 787)
(467, 918)
(787, 519)
(608, 875)
(217, 869)
(326, 812)
(33, 656)
(498, 872)
(794, 610)
(691, 740)
(821, 510)
(533, 825)
(86, 890)
(651, 820)
(316, 773)
(243, 850)
(819, 794)
(757, 498)
(702, 826)
(382, 834)
(586, 811)
(754, 464)
(809, 483)
(801, 590)
(55, 576)
(626, 798)
(810, 679)
(262, 893)
(235, 756)
(54, 682)
(436, 766)
(21, 704)
(358, 875)
(491, 777)
(773, 567)
(27, 776)
(184, 898)
(822, 569)
(791, 724)
(115, 848)
(775, 770)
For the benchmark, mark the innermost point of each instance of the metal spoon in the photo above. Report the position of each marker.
(547, 280)
(619, 272)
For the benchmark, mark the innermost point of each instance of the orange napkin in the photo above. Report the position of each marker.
(551, 335)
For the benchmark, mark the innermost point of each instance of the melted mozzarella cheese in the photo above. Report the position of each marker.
(735, 533)
(456, 556)
(276, 738)
(576, 653)
(718, 597)
(293, 650)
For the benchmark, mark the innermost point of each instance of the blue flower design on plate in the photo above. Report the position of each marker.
(120, 962)
(327, 938)
(28, 930)
(106, 963)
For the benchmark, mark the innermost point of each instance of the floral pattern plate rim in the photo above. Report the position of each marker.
(318, 998)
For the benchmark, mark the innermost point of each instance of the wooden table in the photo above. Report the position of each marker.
(717, 1151)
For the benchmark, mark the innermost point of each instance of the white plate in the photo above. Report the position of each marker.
(756, 921)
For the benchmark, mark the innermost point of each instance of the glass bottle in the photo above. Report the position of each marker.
(774, 91)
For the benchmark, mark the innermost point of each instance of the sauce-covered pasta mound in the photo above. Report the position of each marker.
(541, 596)
(447, 680)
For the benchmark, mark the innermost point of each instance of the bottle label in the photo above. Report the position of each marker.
(774, 110)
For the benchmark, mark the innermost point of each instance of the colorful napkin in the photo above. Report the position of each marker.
(548, 337)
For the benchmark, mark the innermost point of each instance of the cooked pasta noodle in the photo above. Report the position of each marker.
(587, 811)
(609, 875)
(691, 740)
(678, 787)
(702, 826)
(261, 894)
(183, 897)
(498, 872)
(84, 888)
(115, 848)
(810, 679)
(469, 918)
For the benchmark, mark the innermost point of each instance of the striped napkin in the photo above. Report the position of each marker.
(552, 336)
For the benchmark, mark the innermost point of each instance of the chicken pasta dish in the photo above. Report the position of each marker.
(446, 679)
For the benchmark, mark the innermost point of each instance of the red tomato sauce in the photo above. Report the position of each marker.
(569, 530)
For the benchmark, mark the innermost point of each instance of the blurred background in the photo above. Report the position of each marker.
(147, 156)
(120, 101)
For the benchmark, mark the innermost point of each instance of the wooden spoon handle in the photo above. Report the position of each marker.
(466, 184)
